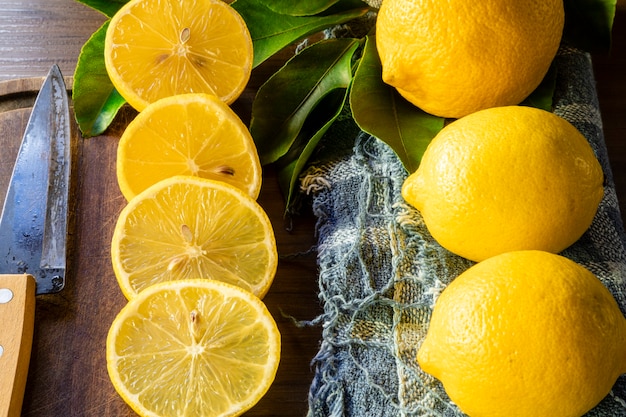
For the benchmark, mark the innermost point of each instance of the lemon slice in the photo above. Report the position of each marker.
(188, 227)
(189, 134)
(159, 48)
(193, 348)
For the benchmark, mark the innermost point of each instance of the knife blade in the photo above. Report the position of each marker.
(33, 233)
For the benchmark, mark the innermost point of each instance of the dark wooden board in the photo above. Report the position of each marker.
(67, 375)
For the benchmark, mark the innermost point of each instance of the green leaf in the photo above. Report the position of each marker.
(96, 101)
(589, 23)
(544, 93)
(273, 31)
(286, 100)
(380, 111)
(291, 164)
(298, 7)
(106, 7)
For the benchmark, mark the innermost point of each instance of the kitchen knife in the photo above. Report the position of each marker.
(33, 233)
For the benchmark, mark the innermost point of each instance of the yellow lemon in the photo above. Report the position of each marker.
(159, 48)
(455, 57)
(188, 227)
(187, 134)
(193, 348)
(504, 179)
(525, 333)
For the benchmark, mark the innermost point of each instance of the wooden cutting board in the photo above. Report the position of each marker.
(67, 375)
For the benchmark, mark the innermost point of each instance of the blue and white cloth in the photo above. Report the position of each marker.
(380, 271)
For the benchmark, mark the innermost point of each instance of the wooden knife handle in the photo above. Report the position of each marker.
(17, 313)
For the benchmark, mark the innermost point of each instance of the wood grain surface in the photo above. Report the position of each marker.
(67, 375)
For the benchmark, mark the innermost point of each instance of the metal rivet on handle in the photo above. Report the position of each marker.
(6, 295)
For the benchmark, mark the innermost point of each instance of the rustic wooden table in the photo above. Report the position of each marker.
(67, 374)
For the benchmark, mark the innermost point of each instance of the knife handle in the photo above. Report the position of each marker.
(17, 313)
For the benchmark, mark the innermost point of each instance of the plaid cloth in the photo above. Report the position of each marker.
(380, 271)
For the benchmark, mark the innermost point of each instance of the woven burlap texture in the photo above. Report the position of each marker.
(380, 271)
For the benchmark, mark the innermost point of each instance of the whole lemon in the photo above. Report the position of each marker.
(525, 333)
(506, 178)
(455, 57)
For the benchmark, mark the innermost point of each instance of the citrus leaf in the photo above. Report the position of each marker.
(589, 23)
(380, 111)
(273, 31)
(298, 7)
(96, 101)
(285, 100)
(544, 93)
(291, 164)
(106, 7)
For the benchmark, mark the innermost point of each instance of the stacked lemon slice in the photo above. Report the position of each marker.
(189, 134)
(189, 227)
(193, 251)
(160, 48)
